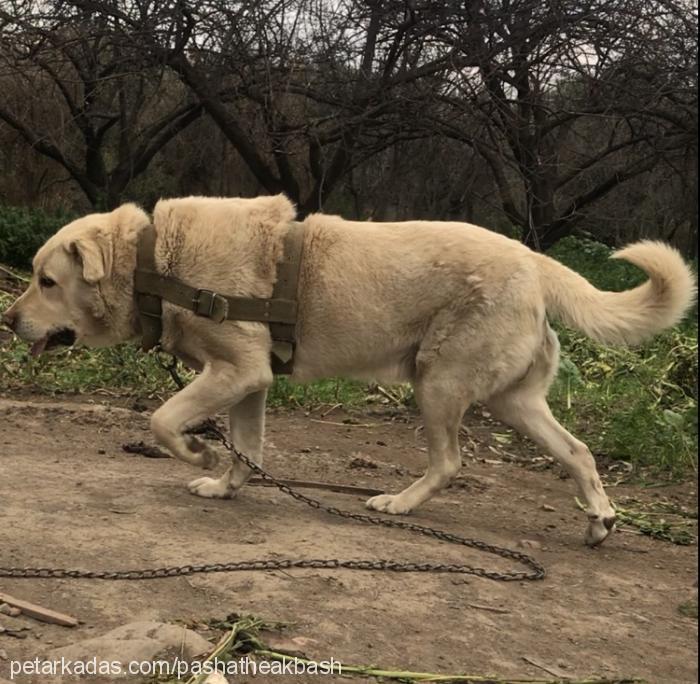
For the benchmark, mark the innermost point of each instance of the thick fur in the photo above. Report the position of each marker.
(622, 317)
(457, 310)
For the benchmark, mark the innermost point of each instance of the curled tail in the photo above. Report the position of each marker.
(622, 317)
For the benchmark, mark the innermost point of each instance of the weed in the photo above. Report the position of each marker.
(689, 609)
(242, 638)
(662, 520)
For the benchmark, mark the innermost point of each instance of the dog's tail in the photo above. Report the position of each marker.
(622, 317)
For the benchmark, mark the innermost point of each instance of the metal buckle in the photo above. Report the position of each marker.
(205, 302)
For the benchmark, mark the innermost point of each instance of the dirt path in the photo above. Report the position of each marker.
(69, 496)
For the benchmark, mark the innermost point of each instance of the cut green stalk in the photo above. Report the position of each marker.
(242, 638)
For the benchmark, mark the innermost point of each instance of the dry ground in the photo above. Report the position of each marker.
(69, 496)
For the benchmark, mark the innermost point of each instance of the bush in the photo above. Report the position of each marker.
(592, 260)
(23, 231)
(634, 404)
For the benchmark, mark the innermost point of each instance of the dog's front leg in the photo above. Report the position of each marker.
(220, 386)
(247, 423)
(247, 420)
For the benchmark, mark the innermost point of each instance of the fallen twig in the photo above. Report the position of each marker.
(548, 669)
(330, 410)
(388, 395)
(310, 484)
(39, 612)
(491, 609)
(331, 422)
(16, 276)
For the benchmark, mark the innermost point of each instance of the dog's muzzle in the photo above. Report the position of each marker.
(65, 337)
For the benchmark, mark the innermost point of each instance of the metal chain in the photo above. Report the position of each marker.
(169, 366)
(536, 571)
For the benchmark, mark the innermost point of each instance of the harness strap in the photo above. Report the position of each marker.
(285, 290)
(280, 311)
(149, 304)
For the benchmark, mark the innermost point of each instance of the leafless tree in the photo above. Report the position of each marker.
(570, 99)
(305, 90)
(79, 96)
(549, 108)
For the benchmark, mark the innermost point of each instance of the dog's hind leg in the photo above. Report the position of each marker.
(524, 407)
(247, 427)
(442, 403)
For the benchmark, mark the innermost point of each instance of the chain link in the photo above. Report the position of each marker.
(536, 570)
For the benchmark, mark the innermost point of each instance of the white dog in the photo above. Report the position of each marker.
(457, 310)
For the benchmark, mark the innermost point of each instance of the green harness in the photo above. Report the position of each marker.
(280, 311)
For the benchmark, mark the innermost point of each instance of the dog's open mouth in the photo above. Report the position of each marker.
(59, 338)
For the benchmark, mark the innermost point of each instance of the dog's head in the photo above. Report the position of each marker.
(79, 286)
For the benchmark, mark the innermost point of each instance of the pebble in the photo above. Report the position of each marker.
(360, 461)
(529, 544)
(7, 609)
(137, 641)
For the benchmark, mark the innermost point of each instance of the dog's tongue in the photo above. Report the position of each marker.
(39, 346)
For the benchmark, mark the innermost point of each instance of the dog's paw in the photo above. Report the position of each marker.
(389, 503)
(211, 488)
(201, 454)
(599, 530)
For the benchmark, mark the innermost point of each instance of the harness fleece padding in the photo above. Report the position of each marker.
(280, 311)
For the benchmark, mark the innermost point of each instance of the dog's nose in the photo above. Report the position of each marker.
(9, 319)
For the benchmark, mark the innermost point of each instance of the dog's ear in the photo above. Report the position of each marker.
(95, 255)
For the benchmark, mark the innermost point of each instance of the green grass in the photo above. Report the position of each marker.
(592, 260)
(637, 405)
(632, 404)
(664, 519)
(121, 370)
(124, 370)
(331, 391)
(689, 609)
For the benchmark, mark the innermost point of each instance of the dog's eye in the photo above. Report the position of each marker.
(46, 282)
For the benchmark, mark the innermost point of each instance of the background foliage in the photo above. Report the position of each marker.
(538, 119)
(23, 231)
(635, 404)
